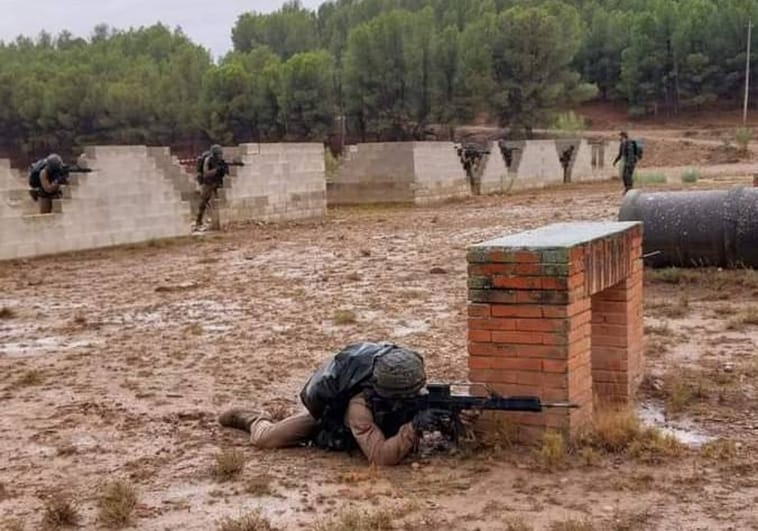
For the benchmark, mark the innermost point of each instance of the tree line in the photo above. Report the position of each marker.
(388, 67)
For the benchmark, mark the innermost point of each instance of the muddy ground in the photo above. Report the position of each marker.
(115, 364)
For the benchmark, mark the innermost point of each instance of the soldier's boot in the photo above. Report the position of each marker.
(239, 418)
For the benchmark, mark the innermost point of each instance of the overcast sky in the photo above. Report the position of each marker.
(207, 22)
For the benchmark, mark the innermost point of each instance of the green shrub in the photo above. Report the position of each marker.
(690, 175)
(569, 124)
(743, 136)
(649, 178)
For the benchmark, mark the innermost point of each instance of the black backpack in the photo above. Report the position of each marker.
(638, 148)
(200, 167)
(328, 391)
(34, 173)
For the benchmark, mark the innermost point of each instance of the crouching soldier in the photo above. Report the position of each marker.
(45, 180)
(339, 397)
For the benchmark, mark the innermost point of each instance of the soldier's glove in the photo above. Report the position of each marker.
(430, 420)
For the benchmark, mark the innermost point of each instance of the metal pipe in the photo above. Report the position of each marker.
(696, 229)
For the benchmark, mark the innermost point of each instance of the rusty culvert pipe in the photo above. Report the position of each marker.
(696, 229)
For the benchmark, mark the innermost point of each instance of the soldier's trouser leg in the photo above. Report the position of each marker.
(205, 197)
(45, 204)
(288, 432)
(628, 177)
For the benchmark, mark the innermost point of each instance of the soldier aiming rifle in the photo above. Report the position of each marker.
(48, 175)
(372, 396)
(211, 170)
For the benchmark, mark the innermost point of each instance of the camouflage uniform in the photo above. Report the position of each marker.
(50, 187)
(628, 155)
(395, 375)
(212, 179)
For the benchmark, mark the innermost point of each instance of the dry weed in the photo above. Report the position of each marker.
(618, 430)
(7, 313)
(353, 277)
(259, 485)
(552, 453)
(228, 464)
(572, 524)
(254, 521)
(60, 511)
(12, 524)
(355, 520)
(720, 449)
(683, 389)
(344, 317)
(116, 504)
(517, 523)
(30, 378)
(630, 521)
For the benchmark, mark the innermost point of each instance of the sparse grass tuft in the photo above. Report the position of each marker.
(501, 434)
(30, 378)
(517, 523)
(572, 525)
(690, 175)
(354, 277)
(355, 520)
(618, 430)
(228, 465)
(649, 178)
(345, 317)
(116, 504)
(12, 524)
(7, 313)
(682, 389)
(589, 456)
(667, 275)
(552, 453)
(254, 521)
(259, 485)
(743, 136)
(745, 318)
(60, 511)
(720, 449)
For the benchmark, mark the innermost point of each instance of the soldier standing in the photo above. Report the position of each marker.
(630, 152)
(211, 174)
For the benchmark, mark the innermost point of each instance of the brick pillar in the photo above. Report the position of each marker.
(534, 313)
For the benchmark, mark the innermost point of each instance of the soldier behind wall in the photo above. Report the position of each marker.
(211, 172)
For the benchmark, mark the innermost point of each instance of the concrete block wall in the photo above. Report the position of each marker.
(377, 172)
(534, 164)
(438, 173)
(494, 177)
(127, 200)
(279, 182)
(557, 313)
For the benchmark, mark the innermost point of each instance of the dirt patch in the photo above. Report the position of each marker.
(116, 373)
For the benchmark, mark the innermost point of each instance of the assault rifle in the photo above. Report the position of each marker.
(67, 169)
(445, 408)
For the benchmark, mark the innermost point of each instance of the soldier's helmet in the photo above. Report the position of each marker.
(217, 151)
(399, 373)
(54, 163)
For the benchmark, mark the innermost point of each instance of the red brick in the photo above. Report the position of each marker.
(529, 378)
(542, 325)
(479, 336)
(608, 330)
(519, 338)
(610, 341)
(599, 305)
(517, 364)
(540, 351)
(527, 256)
(614, 377)
(568, 310)
(516, 282)
(557, 366)
(579, 348)
(555, 381)
(528, 269)
(478, 310)
(484, 349)
(513, 389)
(479, 362)
(542, 297)
(555, 283)
(492, 324)
(505, 310)
(487, 270)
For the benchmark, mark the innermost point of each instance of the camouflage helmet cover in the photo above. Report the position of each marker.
(399, 372)
(54, 162)
(217, 151)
